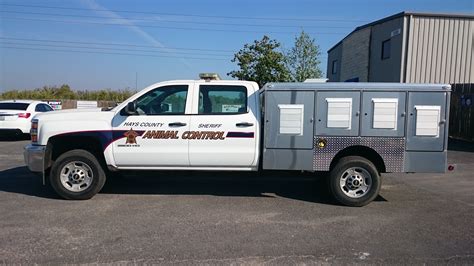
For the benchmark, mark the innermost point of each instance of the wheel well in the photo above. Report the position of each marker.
(62, 144)
(361, 151)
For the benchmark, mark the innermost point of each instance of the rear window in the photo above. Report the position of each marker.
(14, 106)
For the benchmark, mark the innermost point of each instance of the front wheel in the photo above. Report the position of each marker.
(77, 175)
(354, 181)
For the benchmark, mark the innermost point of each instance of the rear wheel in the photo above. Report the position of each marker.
(354, 181)
(77, 175)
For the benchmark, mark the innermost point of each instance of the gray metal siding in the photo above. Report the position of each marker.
(426, 162)
(288, 159)
(440, 50)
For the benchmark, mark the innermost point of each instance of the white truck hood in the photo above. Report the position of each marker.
(72, 121)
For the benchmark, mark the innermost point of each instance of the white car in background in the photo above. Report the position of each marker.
(15, 116)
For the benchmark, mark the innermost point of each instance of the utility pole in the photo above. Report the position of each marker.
(136, 81)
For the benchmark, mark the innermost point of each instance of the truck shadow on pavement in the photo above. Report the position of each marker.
(19, 180)
(14, 137)
(291, 185)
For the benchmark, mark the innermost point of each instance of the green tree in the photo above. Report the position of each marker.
(64, 92)
(261, 62)
(303, 59)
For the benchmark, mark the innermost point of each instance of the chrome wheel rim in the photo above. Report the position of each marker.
(76, 176)
(355, 182)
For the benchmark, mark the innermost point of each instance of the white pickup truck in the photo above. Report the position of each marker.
(354, 130)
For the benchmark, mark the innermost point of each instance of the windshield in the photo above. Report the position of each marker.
(14, 106)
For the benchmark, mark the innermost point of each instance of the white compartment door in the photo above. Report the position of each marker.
(289, 119)
(383, 114)
(337, 113)
(426, 121)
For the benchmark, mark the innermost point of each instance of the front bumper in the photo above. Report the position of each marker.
(35, 157)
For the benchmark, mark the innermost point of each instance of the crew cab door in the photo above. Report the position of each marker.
(224, 126)
(152, 137)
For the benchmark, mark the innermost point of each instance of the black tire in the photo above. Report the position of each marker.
(84, 157)
(359, 164)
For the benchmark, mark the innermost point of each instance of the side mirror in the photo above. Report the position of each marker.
(131, 108)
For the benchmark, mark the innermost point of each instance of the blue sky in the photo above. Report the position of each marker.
(62, 42)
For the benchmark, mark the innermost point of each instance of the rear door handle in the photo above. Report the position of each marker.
(176, 124)
(244, 124)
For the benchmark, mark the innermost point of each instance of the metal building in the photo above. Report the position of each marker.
(407, 47)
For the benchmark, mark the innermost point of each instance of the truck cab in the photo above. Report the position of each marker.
(203, 124)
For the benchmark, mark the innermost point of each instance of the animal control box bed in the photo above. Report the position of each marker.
(309, 126)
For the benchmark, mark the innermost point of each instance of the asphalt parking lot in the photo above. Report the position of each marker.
(237, 218)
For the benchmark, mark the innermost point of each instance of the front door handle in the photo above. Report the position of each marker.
(244, 124)
(176, 124)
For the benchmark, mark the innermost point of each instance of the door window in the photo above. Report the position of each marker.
(222, 100)
(167, 100)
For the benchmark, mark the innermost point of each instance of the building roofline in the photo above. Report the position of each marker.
(403, 14)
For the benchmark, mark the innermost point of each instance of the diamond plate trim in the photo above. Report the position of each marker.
(392, 150)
